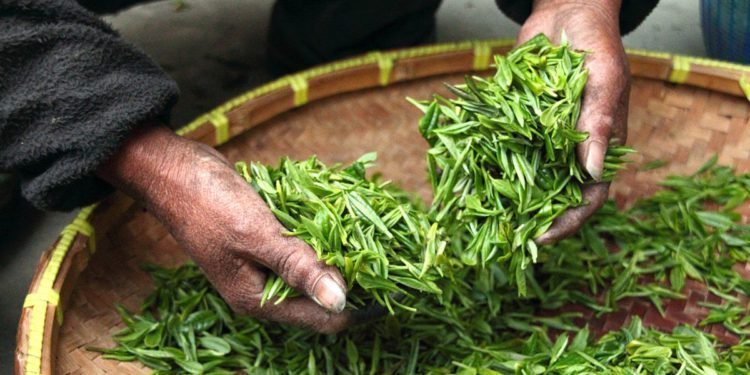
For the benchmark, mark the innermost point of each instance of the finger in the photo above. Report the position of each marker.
(298, 264)
(594, 197)
(291, 259)
(244, 290)
(603, 110)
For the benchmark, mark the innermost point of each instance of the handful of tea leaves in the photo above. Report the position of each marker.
(502, 158)
(375, 234)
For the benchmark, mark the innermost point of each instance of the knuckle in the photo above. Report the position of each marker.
(240, 227)
(609, 80)
(241, 303)
(293, 266)
(242, 290)
(598, 124)
(288, 263)
(246, 234)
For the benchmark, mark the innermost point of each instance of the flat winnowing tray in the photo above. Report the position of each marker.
(678, 123)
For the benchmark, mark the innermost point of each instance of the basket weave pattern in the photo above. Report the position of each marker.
(676, 123)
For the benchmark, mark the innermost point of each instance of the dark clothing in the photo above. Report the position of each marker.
(71, 89)
(304, 32)
(307, 32)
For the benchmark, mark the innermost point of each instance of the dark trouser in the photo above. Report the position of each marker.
(309, 32)
(8, 191)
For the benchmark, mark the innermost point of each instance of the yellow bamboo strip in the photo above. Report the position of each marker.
(385, 64)
(45, 289)
(343, 65)
(482, 54)
(299, 85)
(680, 69)
(647, 53)
(221, 125)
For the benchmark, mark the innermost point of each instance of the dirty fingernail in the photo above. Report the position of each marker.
(329, 294)
(595, 159)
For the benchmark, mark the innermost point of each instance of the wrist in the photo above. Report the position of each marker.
(145, 163)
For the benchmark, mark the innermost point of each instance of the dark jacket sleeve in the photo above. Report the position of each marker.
(70, 91)
(632, 13)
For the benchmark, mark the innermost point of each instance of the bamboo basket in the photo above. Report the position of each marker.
(682, 109)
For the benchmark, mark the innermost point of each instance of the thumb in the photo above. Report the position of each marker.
(603, 112)
(298, 265)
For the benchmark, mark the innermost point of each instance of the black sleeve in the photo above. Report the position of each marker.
(70, 91)
(632, 13)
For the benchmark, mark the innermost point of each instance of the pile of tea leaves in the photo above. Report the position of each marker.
(502, 159)
(378, 236)
(207, 337)
(479, 325)
(457, 277)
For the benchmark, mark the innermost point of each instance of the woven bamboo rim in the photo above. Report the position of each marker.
(60, 266)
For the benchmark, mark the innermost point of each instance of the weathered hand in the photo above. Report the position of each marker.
(592, 26)
(226, 228)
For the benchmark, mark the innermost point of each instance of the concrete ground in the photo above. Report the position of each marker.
(215, 50)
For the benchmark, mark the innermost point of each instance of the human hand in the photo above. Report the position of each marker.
(592, 26)
(227, 229)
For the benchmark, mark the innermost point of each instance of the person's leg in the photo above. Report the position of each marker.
(309, 32)
(8, 187)
(109, 6)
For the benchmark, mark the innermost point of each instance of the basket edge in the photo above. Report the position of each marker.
(34, 335)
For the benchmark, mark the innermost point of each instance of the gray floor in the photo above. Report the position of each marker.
(214, 49)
